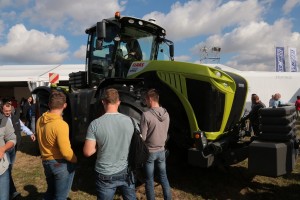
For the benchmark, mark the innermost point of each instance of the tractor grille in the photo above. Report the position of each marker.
(173, 79)
(208, 104)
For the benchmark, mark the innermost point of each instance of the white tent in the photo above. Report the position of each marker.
(36, 73)
(20, 80)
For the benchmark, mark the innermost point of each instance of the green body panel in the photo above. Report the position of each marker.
(174, 74)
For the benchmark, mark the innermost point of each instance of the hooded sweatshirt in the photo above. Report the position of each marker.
(53, 137)
(154, 128)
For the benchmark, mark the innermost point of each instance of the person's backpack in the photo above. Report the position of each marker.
(138, 151)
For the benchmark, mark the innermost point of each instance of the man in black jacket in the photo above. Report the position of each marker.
(253, 116)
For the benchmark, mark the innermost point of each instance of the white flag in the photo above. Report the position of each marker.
(293, 59)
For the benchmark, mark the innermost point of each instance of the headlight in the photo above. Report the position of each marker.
(218, 74)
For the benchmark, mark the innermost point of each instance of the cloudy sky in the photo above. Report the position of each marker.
(52, 31)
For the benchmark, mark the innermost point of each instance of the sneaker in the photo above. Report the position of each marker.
(15, 195)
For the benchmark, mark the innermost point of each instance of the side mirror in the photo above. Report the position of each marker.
(171, 50)
(101, 34)
(101, 30)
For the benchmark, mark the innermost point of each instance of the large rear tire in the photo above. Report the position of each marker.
(42, 100)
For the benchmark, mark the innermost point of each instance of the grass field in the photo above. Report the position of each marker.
(188, 183)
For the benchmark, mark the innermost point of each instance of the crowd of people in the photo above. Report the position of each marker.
(257, 104)
(112, 148)
(10, 133)
(25, 109)
(253, 116)
(275, 101)
(108, 136)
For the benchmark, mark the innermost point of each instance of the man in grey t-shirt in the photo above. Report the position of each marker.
(110, 136)
(7, 141)
(154, 130)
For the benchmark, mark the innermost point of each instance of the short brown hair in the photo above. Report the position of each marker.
(6, 104)
(255, 97)
(57, 100)
(153, 94)
(111, 96)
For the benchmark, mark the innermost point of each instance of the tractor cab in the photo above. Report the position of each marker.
(115, 43)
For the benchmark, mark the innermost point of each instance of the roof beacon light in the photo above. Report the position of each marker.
(152, 20)
(117, 15)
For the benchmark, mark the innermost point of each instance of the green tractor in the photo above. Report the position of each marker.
(132, 55)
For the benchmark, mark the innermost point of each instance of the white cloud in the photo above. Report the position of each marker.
(73, 16)
(80, 53)
(33, 47)
(55, 15)
(289, 5)
(195, 18)
(254, 44)
(13, 3)
(123, 3)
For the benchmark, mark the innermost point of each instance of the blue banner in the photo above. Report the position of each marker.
(280, 62)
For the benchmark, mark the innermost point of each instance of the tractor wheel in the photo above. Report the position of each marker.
(277, 112)
(42, 99)
(277, 128)
(284, 120)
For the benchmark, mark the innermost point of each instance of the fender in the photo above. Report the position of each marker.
(117, 81)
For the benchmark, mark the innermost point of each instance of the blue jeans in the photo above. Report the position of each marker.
(106, 185)
(12, 156)
(4, 185)
(32, 125)
(157, 160)
(59, 176)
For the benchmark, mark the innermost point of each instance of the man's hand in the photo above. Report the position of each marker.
(2, 151)
(33, 138)
(8, 145)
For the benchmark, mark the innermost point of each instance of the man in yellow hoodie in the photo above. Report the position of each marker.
(57, 156)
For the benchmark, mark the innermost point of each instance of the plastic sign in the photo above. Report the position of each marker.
(53, 78)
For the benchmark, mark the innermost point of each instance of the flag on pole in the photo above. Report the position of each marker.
(293, 59)
(280, 62)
